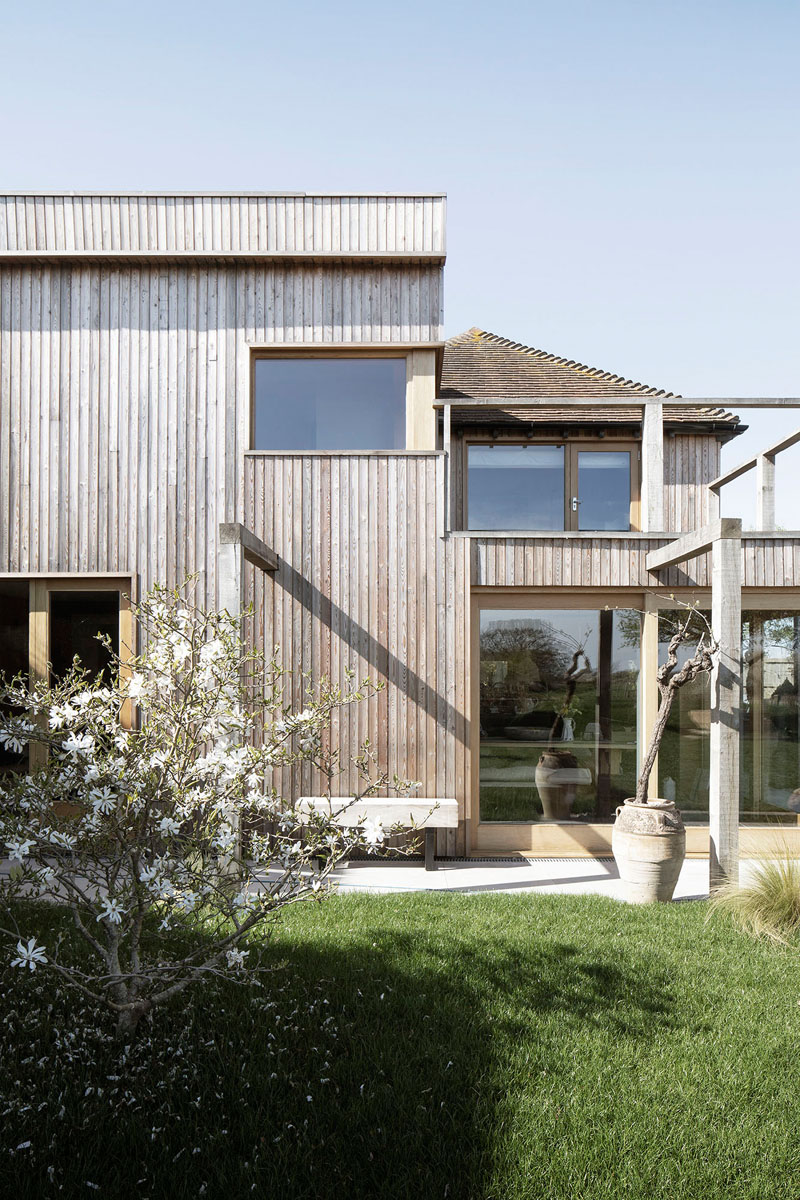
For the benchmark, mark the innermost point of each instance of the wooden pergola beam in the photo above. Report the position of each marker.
(632, 401)
(691, 544)
(742, 468)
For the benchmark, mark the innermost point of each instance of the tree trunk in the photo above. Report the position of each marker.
(129, 1018)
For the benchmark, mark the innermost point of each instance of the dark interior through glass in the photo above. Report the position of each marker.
(330, 403)
(76, 618)
(14, 596)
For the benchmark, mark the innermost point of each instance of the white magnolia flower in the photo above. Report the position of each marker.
(31, 956)
(236, 957)
(188, 900)
(79, 744)
(225, 839)
(13, 740)
(59, 714)
(19, 850)
(136, 686)
(62, 839)
(373, 833)
(103, 799)
(169, 826)
(82, 699)
(91, 773)
(111, 912)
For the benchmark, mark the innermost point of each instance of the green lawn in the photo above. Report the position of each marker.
(430, 1046)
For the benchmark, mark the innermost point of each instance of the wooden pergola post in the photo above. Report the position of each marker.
(726, 690)
(724, 539)
(653, 467)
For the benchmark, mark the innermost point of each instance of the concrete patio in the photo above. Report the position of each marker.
(565, 876)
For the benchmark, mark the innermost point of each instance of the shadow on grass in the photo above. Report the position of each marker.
(371, 1064)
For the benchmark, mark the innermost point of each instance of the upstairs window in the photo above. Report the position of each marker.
(558, 487)
(329, 403)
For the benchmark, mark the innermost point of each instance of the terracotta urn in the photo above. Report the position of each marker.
(554, 784)
(649, 845)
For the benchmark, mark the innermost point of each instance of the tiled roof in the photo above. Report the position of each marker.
(480, 365)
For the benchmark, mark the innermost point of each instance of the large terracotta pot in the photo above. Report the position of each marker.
(649, 845)
(556, 788)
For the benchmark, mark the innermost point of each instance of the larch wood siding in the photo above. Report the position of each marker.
(219, 224)
(126, 398)
(589, 561)
(367, 581)
(691, 461)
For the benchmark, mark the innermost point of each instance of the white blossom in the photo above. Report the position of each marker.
(30, 955)
(103, 799)
(79, 744)
(236, 957)
(169, 826)
(60, 714)
(373, 832)
(19, 850)
(13, 740)
(111, 911)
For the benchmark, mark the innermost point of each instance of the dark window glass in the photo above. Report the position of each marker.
(516, 487)
(604, 489)
(13, 645)
(330, 404)
(75, 620)
(558, 713)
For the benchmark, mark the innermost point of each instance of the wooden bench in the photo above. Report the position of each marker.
(421, 812)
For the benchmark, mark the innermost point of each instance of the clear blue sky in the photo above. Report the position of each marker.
(623, 178)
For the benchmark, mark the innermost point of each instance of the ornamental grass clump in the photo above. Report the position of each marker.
(155, 808)
(768, 907)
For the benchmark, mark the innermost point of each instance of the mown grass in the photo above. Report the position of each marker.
(430, 1046)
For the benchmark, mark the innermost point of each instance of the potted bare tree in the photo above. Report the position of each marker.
(649, 838)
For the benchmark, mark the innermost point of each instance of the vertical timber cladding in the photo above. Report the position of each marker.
(368, 581)
(126, 390)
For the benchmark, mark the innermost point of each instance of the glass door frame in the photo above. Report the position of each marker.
(572, 447)
(573, 839)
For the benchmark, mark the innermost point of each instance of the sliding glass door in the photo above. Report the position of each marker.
(558, 713)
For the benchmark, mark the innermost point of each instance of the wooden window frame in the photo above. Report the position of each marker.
(572, 447)
(40, 589)
(340, 350)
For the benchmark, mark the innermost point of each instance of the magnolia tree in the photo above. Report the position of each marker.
(154, 808)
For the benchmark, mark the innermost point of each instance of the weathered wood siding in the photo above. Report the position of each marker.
(368, 582)
(691, 461)
(582, 560)
(125, 398)
(249, 224)
(585, 560)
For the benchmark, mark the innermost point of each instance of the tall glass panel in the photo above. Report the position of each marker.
(13, 647)
(330, 404)
(683, 757)
(515, 487)
(604, 489)
(76, 618)
(770, 745)
(558, 705)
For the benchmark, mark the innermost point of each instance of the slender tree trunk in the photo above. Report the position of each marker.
(667, 696)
